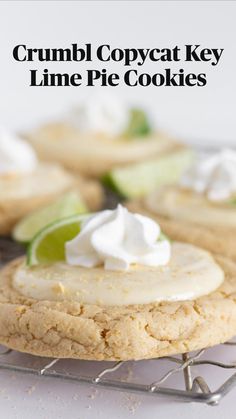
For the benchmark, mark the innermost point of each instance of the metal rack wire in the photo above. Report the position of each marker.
(196, 388)
(188, 387)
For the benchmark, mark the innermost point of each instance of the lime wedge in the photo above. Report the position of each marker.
(29, 226)
(139, 179)
(139, 125)
(48, 246)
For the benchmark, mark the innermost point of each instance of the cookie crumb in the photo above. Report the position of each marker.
(58, 288)
(93, 395)
(132, 403)
(31, 389)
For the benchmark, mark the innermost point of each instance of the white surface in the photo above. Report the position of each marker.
(205, 115)
(50, 400)
(27, 397)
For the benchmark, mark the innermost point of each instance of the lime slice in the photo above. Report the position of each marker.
(139, 125)
(48, 246)
(139, 179)
(29, 226)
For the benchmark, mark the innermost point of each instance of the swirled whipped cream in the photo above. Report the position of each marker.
(16, 156)
(117, 239)
(214, 176)
(101, 114)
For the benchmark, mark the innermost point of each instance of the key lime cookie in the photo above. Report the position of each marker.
(201, 209)
(110, 286)
(26, 184)
(104, 135)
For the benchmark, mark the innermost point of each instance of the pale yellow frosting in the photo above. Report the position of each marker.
(191, 273)
(192, 207)
(45, 179)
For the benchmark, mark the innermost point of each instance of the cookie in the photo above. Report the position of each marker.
(67, 329)
(95, 154)
(216, 239)
(19, 195)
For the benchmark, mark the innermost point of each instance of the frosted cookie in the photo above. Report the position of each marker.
(118, 290)
(26, 184)
(201, 209)
(101, 135)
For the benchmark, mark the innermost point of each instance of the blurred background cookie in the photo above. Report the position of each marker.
(27, 184)
(107, 139)
(201, 208)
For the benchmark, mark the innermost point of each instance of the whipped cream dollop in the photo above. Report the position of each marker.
(117, 239)
(16, 156)
(214, 175)
(102, 114)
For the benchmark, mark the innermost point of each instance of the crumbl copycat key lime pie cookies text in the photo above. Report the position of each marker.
(110, 286)
(27, 184)
(201, 209)
(105, 134)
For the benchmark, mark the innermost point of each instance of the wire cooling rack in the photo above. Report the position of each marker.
(191, 377)
(173, 377)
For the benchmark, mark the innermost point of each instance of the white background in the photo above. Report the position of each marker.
(204, 115)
